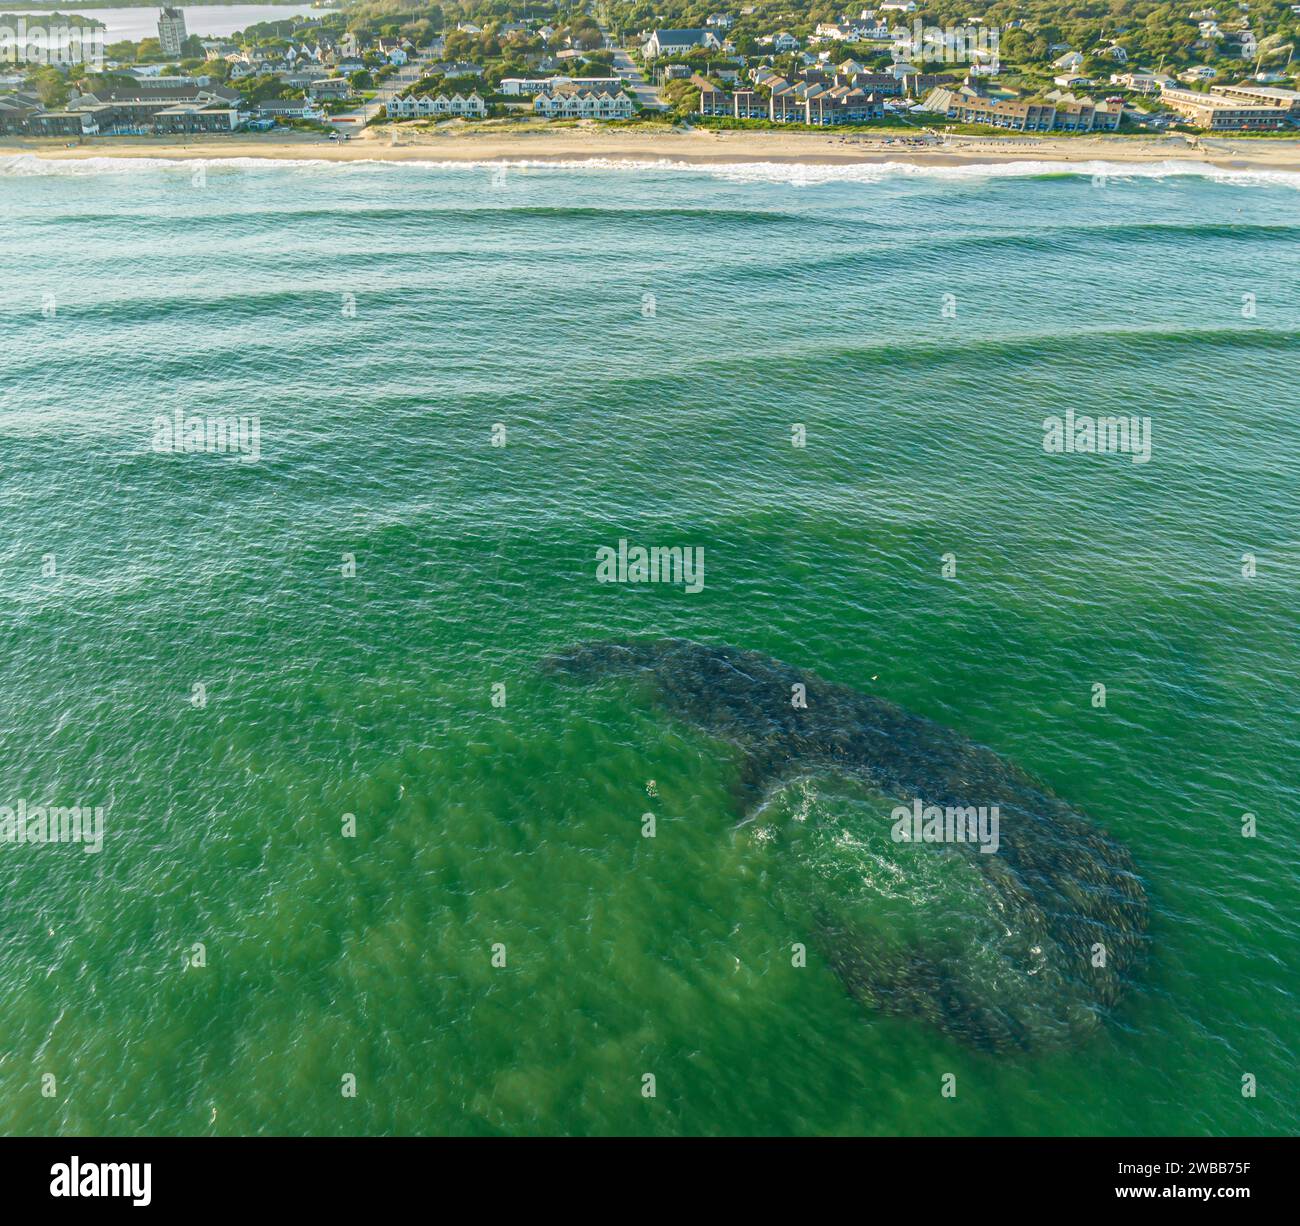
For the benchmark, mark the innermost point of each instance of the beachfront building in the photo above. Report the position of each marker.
(843, 104)
(188, 117)
(568, 102)
(126, 111)
(290, 108)
(787, 99)
(679, 42)
(15, 113)
(441, 106)
(821, 97)
(1075, 114)
(62, 123)
(1216, 112)
(713, 101)
(326, 88)
(171, 32)
(1261, 95)
(1057, 111)
(822, 103)
(1018, 116)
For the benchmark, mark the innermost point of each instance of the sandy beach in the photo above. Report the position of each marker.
(699, 146)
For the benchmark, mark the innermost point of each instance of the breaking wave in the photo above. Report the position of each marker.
(796, 173)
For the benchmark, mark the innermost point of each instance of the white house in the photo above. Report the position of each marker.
(289, 108)
(518, 86)
(1143, 80)
(1071, 61)
(678, 42)
(526, 87)
(856, 30)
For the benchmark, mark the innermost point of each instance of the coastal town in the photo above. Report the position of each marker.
(898, 66)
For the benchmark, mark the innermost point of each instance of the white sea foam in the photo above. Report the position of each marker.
(29, 165)
(791, 173)
(874, 172)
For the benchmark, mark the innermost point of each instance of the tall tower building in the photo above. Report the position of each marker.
(171, 31)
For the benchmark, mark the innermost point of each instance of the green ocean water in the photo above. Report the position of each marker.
(648, 337)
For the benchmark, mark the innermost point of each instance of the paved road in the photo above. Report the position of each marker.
(646, 94)
(407, 74)
(624, 66)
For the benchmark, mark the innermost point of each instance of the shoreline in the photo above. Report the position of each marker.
(698, 146)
